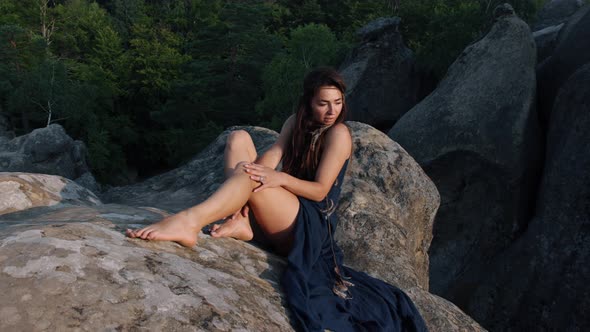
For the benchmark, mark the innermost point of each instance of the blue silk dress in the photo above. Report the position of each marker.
(323, 294)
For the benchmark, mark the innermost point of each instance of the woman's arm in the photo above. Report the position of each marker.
(337, 149)
(272, 157)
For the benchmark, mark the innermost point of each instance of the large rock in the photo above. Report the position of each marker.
(545, 39)
(19, 191)
(73, 269)
(70, 267)
(556, 12)
(381, 76)
(47, 150)
(541, 282)
(79, 272)
(476, 137)
(571, 52)
(386, 210)
(402, 198)
(440, 314)
(550, 19)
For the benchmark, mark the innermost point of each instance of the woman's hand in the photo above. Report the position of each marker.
(268, 177)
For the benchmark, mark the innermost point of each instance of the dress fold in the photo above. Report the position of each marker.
(323, 294)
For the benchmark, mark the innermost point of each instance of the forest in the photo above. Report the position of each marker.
(147, 84)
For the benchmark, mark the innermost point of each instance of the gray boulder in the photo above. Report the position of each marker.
(571, 52)
(72, 268)
(545, 39)
(381, 74)
(477, 138)
(20, 191)
(550, 19)
(385, 191)
(79, 271)
(541, 282)
(556, 12)
(372, 197)
(47, 150)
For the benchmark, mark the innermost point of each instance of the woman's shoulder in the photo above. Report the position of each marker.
(339, 138)
(339, 130)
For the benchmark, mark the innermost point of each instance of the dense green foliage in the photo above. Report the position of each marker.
(438, 30)
(147, 84)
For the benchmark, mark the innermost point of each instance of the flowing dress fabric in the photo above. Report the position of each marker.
(310, 276)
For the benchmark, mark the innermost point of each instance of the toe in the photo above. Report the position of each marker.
(144, 233)
(132, 233)
(138, 232)
(214, 230)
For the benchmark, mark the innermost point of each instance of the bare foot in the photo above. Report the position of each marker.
(237, 227)
(180, 228)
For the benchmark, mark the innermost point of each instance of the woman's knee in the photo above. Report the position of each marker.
(238, 138)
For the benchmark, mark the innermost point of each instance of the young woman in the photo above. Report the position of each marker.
(294, 208)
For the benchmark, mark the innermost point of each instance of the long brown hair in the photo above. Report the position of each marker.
(302, 155)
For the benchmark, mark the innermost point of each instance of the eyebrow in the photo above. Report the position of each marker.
(326, 101)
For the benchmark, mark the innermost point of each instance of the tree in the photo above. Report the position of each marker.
(45, 93)
(220, 86)
(79, 23)
(20, 52)
(24, 13)
(438, 30)
(153, 61)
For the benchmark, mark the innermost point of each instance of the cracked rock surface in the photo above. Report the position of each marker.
(84, 273)
(65, 263)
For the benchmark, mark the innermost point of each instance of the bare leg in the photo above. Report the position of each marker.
(184, 226)
(239, 148)
(275, 208)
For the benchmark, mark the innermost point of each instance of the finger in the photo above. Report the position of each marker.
(262, 187)
(255, 178)
(256, 166)
(245, 211)
(253, 171)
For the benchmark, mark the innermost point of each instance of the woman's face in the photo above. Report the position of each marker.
(326, 105)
